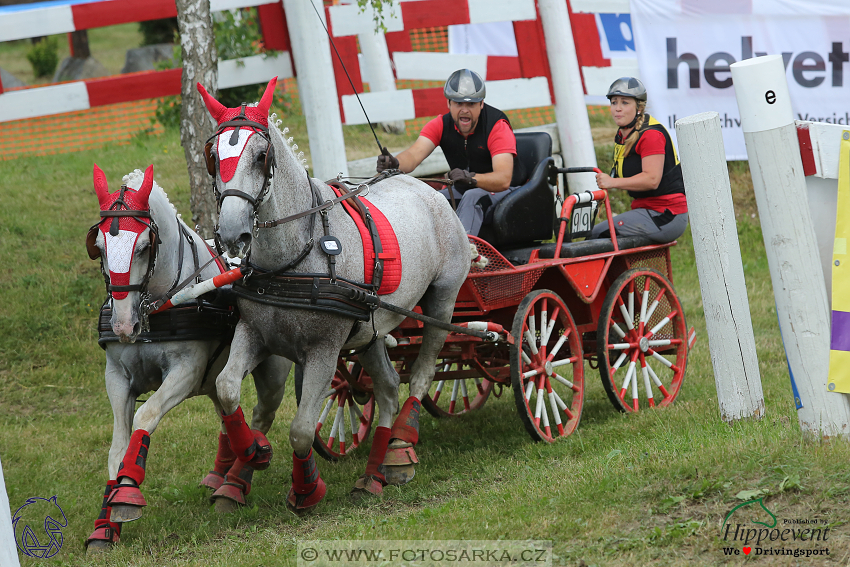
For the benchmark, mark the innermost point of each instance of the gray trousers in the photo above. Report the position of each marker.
(472, 205)
(644, 222)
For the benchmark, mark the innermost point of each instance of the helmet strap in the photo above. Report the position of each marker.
(632, 123)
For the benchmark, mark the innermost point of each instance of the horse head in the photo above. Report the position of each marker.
(125, 242)
(240, 157)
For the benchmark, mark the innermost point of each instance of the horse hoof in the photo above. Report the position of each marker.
(398, 475)
(214, 480)
(303, 504)
(98, 547)
(366, 487)
(399, 463)
(122, 513)
(226, 505)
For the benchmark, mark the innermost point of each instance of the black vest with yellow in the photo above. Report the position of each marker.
(472, 152)
(671, 177)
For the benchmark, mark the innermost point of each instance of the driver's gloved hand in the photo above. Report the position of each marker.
(462, 179)
(386, 161)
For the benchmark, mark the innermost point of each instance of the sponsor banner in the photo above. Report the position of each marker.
(685, 48)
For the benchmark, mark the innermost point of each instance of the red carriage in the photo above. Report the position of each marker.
(555, 305)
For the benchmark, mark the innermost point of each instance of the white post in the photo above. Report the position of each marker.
(317, 87)
(570, 110)
(789, 238)
(8, 547)
(379, 69)
(721, 272)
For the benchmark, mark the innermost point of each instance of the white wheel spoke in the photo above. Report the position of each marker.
(463, 391)
(619, 346)
(532, 340)
(334, 428)
(440, 385)
(561, 340)
(660, 325)
(660, 342)
(532, 330)
(628, 318)
(455, 388)
(525, 357)
(544, 324)
(634, 384)
(559, 401)
(555, 413)
(530, 373)
(543, 413)
(631, 305)
(628, 378)
(325, 411)
(340, 416)
(563, 362)
(618, 330)
(539, 406)
(528, 389)
(655, 304)
(352, 417)
(655, 378)
(643, 305)
(618, 362)
(662, 360)
(646, 381)
(563, 381)
(357, 411)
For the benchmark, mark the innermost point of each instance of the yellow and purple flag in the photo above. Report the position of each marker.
(839, 353)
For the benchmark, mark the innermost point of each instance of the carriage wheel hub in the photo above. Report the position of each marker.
(643, 344)
(548, 368)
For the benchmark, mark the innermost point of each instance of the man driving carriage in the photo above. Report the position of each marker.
(479, 145)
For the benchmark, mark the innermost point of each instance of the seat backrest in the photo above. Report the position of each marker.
(527, 214)
(532, 148)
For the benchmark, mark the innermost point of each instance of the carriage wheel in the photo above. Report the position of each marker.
(450, 398)
(547, 366)
(344, 411)
(641, 341)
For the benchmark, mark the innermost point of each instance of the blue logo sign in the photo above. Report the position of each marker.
(39, 512)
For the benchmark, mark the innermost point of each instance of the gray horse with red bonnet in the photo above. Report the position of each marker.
(308, 295)
(146, 250)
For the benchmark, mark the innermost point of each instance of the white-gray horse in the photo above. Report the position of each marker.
(147, 249)
(250, 150)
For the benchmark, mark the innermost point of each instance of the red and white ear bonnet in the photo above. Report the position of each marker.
(121, 233)
(229, 148)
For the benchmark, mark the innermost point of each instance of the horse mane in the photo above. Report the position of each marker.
(281, 142)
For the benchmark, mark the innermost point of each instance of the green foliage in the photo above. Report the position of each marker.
(44, 56)
(158, 31)
(378, 11)
(237, 34)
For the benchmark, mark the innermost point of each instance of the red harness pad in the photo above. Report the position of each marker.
(391, 254)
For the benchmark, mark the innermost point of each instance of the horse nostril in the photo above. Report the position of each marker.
(137, 328)
(245, 240)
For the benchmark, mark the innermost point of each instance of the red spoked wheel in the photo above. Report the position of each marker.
(547, 366)
(641, 341)
(347, 413)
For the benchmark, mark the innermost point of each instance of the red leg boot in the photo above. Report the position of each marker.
(234, 489)
(106, 533)
(249, 445)
(308, 488)
(398, 467)
(127, 500)
(224, 459)
(372, 481)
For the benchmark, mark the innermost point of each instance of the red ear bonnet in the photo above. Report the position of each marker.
(229, 149)
(120, 241)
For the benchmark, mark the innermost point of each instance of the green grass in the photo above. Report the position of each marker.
(623, 490)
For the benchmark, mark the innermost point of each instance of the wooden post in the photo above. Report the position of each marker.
(721, 272)
(789, 238)
(311, 52)
(376, 57)
(8, 547)
(570, 110)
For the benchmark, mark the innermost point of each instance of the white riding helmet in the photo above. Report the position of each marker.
(627, 86)
(465, 85)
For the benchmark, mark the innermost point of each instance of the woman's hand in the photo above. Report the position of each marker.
(604, 181)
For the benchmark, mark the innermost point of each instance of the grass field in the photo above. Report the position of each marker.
(623, 490)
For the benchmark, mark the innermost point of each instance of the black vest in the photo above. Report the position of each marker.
(472, 153)
(671, 177)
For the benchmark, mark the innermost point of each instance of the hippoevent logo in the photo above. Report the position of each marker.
(38, 533)
(752, 529)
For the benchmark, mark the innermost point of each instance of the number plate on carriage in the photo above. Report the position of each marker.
(582, 218)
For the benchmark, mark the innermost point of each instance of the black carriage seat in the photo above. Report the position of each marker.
(519, 255)
(526, 215)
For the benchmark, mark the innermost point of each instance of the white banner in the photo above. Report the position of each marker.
(685, 47)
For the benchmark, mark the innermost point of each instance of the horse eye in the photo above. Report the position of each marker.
(261, 157)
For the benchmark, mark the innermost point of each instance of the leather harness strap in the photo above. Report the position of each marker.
(363, 210)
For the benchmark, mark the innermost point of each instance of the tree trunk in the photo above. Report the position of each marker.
(200, 65)
(80, 44)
